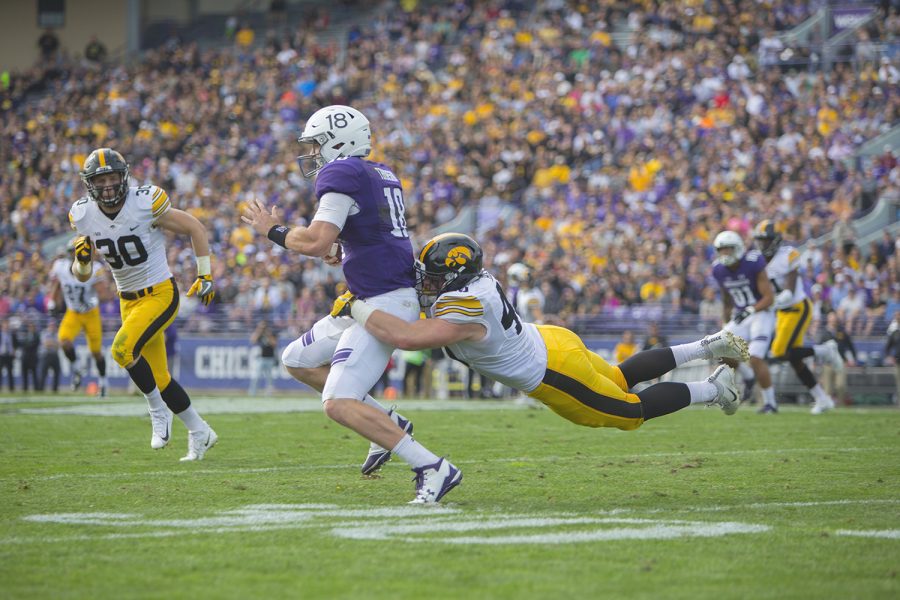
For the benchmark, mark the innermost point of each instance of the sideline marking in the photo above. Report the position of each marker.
(134, 406)
(238, 405)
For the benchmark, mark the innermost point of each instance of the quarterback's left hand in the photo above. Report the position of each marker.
(342, 304)
(203, 287)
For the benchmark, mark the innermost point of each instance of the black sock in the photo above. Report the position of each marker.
(175, 397)
(804, 374)
(69, 351)
(664, 398)
(101, 366)
(142, 375)
(647, 365)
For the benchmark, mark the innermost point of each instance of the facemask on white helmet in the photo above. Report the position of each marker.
(333, 132)
(729, 248)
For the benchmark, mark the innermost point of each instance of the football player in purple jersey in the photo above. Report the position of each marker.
(747, 298)
(360, 223)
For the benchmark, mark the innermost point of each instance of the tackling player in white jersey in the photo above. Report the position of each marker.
(126, 225)
(82, 314)
(793, 312)
(477, 324)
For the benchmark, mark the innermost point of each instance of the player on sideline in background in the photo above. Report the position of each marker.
(360, 203)
(125, 225)
(479, 327)
(82, 313)
(747, 300)
(793, 312)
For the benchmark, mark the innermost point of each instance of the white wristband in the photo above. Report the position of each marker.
(361, 312)
(203, 267)
(80, 268)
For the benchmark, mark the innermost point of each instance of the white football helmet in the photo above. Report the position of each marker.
(729, 239)
(333, 132)
(518, 274)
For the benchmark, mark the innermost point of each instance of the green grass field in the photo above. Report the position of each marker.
(693, 505)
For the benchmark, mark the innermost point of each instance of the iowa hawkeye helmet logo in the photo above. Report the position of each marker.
(458, 257)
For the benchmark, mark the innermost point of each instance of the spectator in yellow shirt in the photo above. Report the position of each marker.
(625, 348)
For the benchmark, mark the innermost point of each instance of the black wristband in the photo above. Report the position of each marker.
(278, 234)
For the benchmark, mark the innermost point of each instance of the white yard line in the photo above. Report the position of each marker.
(416, 524)
(891, 534)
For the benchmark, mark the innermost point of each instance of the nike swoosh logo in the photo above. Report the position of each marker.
(206, 443)
(165, 439)
(133, 228)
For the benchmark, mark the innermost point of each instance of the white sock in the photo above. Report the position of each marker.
(375, 403)
(818, 393)
(768, 395)
(192, 420)
(688, 352)
(702, 391)
(154, 400)
(745, 371)
(415, 454)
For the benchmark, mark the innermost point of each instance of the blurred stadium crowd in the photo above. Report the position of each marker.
(606, 167)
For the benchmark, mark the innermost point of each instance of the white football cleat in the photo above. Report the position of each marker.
(823, 404)
(199, 442)
(161, 420)
(728, 398)
(433, 481)
(724, 344)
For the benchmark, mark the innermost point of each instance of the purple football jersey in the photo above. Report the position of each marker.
(741, 282)
(378, 255)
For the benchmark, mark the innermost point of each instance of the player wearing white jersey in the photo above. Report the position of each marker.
(793, 311)
(125, 224)
(477, 324)
(524, 294)
(82, 314)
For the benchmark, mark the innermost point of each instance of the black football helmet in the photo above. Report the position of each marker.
(767, 238)
(446, 263)
(99, 162)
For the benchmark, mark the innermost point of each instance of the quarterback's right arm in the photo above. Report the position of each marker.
(315, 240)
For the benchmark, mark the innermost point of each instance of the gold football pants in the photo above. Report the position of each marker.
(144, 321)
(790, 327)
(582, 387)
(73, 323)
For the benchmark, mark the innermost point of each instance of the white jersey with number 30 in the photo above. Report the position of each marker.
(130, 242)
(512, 352)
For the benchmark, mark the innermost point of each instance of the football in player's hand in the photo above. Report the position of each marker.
(731, 362)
